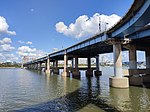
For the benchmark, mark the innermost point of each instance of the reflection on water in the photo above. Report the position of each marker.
(28, 91)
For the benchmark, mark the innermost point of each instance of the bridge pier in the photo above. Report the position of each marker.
(132, 60)
(65, 72)
(76, 71)
(36, 66)
(40, 66)
(47, 71)
(146, 77)
(55, 69)
(118, 81)
(97, 72)
(134, 78)
(89, 71)
(72, 62)
(148, 59)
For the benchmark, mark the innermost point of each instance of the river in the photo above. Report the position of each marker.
(24, 90)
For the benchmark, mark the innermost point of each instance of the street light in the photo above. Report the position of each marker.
(101, 22)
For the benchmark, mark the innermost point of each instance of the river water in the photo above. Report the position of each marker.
(23, 90)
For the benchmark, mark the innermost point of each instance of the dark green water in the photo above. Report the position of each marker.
(30, 91)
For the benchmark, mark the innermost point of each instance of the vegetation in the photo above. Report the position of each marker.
(16, 65)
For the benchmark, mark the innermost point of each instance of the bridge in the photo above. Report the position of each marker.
(131, 33)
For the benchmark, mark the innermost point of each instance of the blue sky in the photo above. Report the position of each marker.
(40, 26)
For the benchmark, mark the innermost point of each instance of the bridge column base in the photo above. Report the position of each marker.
(119, 82)
(89, 72)
(56, 70)
(133, 72)
(98, 73)
(39, 69)
(136, 80)
(48, 71)
(65, 74)
(146, 78)
(76, 73)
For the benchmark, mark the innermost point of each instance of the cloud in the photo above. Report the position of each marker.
(26, 49)
(21, 42)
(4, 27)
(55, 49)
(29, 42)
(6, 48)
(86, 26)
(5, 41)
(5, 57)
(30, 52)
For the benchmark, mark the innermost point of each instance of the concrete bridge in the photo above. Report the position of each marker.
(131, 33)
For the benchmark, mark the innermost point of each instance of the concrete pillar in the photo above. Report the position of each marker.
(72, 62)
(97, 72)
(40, 66)
(45, 65)
(48, 66)
(146, 77)
(32, 66)
(89, 71)
(132, 61)
(65, 72)
(117, 60)
(118, 80)
(76, 70)
(147, 59)
(56, 69)
(36, 66)
(134, 78)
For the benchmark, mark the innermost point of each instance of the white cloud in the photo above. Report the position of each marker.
(55, 49)
(21, 42)
(85, 26)
(6, 48)
(4, 27)
(30, 52)
(29, 43)
(5, 57)
(5, 41)
(26, 49)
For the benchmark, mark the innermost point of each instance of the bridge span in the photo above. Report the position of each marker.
(131, 33)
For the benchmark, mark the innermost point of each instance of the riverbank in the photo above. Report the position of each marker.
(8, 67)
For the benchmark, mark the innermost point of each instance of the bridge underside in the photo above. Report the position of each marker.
(142, 43)
(93, 50)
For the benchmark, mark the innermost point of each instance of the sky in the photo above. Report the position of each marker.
(35, 28)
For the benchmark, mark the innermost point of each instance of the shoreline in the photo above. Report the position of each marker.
(8, 67)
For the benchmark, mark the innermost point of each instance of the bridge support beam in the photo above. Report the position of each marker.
(97, 72)
(56, 69)
(134, 78)
(148, 59)
(40, 66)
(65, 72)
(76, 71)
(47, 66)
(118, 81)
(146, 77)
(36, 66)
(89, 71)
(72, 62)
(132, 61)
